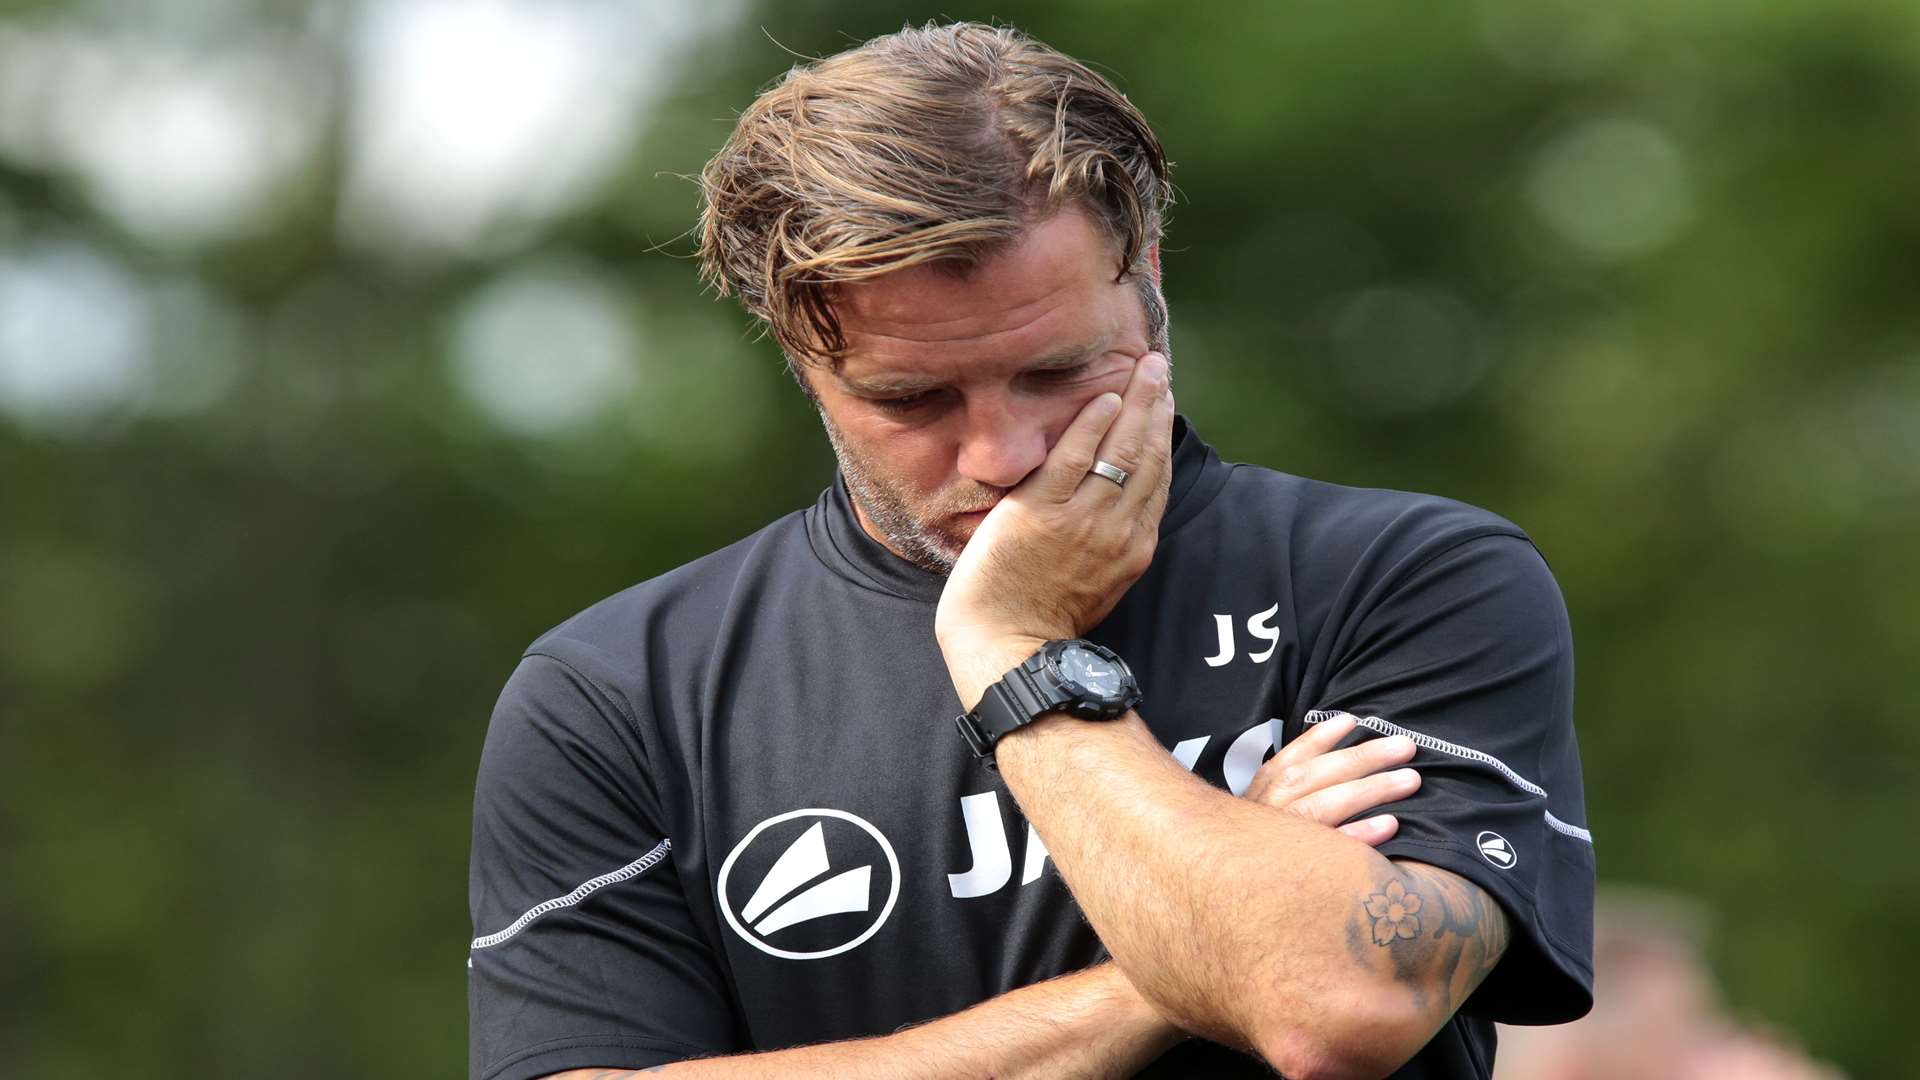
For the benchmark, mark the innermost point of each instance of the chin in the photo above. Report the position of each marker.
(949, 544)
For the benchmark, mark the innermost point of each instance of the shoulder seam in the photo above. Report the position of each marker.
(609, 697)
(607, 694)
(1477, 532)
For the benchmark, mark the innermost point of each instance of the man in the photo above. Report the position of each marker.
(725, 825)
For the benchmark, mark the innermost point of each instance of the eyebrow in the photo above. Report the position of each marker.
(1071, 356)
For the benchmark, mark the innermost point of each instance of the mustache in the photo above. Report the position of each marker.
(969, 501)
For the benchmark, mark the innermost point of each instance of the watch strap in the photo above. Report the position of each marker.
(1018, 699)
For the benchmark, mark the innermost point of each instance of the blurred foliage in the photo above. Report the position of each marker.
(1639, 277)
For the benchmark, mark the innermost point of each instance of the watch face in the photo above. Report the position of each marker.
(1098, 675)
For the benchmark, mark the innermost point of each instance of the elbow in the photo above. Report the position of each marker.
(1307, 1058)
(1364, 1044)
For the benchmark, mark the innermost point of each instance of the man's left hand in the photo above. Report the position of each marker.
(1055, 556)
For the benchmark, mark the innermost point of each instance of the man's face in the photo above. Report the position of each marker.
(954, 388)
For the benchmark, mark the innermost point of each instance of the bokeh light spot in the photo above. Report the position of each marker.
(545, 349)
(1612, 188)
(182, 147)
(73, 348)
(1555, 39)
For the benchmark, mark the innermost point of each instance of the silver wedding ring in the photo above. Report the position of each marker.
(1112, 472)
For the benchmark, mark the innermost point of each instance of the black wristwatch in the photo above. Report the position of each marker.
(1075, 677)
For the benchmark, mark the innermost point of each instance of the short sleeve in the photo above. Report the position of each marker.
(584, 953)
(1468, 651)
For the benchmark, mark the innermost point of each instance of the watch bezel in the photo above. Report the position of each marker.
(1079, 699)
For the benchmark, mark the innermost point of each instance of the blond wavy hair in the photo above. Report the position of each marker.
(938, 144)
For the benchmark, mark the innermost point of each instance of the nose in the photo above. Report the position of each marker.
(1002, 443)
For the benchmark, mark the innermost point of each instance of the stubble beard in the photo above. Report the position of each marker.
(907, 520)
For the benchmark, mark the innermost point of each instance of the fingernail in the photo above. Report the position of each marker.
(1406, 775)
(1109, 404)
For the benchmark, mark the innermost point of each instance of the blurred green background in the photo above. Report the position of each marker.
(344, 348)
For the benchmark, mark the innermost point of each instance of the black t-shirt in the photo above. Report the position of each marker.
(726, 810)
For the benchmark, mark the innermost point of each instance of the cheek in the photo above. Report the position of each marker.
(922, 456)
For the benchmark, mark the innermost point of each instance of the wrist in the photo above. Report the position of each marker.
(1058, 743)
(977, 663)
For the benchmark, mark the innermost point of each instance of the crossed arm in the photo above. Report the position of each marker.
(1090, 1023)
(1265, 930)
(1295, 939)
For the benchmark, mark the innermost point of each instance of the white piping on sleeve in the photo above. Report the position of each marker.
(1382, 727)
(585, 889)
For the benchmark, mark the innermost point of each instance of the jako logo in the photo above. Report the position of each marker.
(1495, 849)
(795, 897)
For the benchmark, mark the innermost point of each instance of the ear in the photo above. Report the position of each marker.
(1153, 260)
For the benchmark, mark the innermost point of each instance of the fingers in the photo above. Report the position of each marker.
(1133, 442)
(1314, 741)
(1373, 831)
(1160, 449)
(1308, 777)
(1306, 765)
(1071, 457)
(1341, 802)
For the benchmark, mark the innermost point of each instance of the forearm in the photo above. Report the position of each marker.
(1091, 1023)
(1237, 920)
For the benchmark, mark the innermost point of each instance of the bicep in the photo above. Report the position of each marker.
(1436, 934)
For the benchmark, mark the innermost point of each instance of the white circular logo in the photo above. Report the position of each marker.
(807, 882)
(1495, 849)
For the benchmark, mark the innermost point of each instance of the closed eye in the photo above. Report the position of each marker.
(1061, 375)
(906, 402)
(903, 404)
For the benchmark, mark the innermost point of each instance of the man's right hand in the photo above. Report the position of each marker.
(1094, 1023)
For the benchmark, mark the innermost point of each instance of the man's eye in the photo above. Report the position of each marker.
(1064, 374)
(908, 403)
